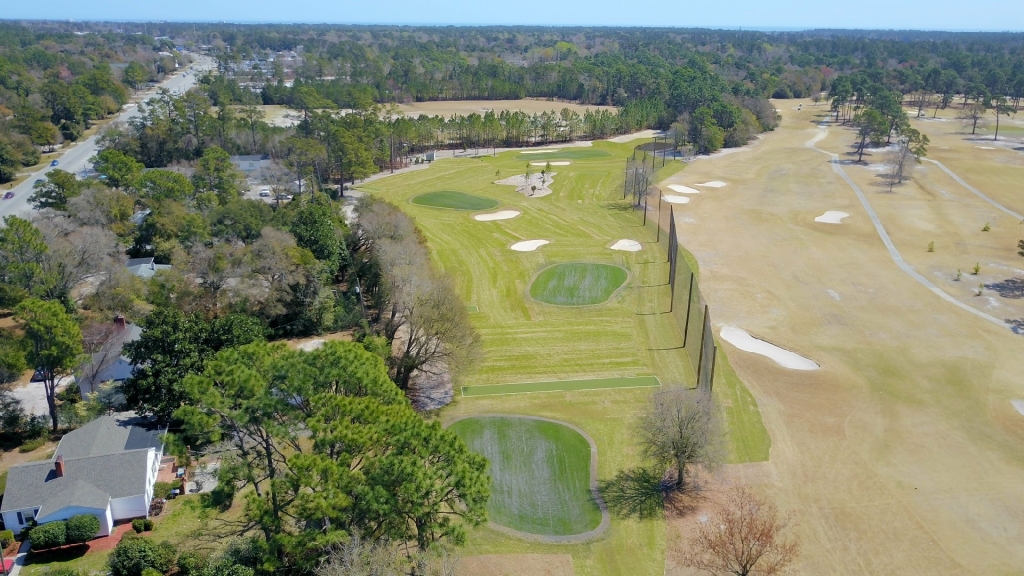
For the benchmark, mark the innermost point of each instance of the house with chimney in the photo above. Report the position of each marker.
(106, 468)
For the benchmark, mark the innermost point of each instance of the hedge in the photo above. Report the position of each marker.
(49, 535)
(134, 554)
(6, 538)
(82, 528)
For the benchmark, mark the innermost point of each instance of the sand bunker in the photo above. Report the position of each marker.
(1019, 405)
(832, 217)
(528, 245)
(636, 135)
(626, 246)
(683, 189)
(675, 199)
(535, 186)
(551, 163)
(986, 147)
(542, 151)
(713, 184)
(739, 338)
(499, 215)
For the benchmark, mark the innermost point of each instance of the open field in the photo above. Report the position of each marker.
(561, 386)
(540, 474)
(577, 283)
(903, 449)
(464, 107)
(556, 155)
(454, 200)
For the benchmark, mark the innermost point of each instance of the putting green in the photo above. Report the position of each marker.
(455, 200)
(562, 386)
(540, 474)
(564, 154)
(577, 284)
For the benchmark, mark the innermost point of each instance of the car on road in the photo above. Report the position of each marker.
(39, 181)
(54, 163)
(9, 195)
(264, 193)
(283, 197)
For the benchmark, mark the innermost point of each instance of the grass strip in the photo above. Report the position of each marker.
(563, 386)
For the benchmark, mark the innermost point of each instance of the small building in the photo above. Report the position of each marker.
(145, 267)
(106, 468)
(252, 165)
(109, 364)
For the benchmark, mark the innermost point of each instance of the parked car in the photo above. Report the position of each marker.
(284, 197)
(9, 195)
(53, 163)
(39, 181)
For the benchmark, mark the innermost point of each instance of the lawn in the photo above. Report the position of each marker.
(455, 200)
(577, 284)
(540, 474)
(561, 386)
(556, 154)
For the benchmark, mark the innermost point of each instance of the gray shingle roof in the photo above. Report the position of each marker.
(108, 435)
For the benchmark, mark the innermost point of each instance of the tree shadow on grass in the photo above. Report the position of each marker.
(646, 493)
(1009, 288)
(62, 554)
(1016, 325)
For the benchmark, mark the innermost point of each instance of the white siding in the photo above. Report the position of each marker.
(130, 507)
(106, 522)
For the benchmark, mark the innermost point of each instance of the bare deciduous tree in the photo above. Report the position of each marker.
(973, 116)
(681, 429)
(901, 162)
(745, 538)
(359, 557)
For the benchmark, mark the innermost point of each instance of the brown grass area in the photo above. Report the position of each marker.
(903, 449)
(464, 107)
(516, 565)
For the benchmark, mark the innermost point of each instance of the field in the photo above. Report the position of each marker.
(903, 449)
(561, 386)
(577, 284)
(528, 342)
(540, 474)
(564, 154)
(454, 200)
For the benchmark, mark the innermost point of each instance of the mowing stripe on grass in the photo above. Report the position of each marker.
(472, 309)
(563, 386)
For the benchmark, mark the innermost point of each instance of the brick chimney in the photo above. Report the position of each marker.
(58, 466)
(120, 322)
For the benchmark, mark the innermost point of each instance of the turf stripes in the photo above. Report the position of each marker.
(562, 386)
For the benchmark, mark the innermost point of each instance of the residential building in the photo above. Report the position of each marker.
(109, 364)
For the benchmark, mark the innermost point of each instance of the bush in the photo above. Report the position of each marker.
(62, 571)
(49, 535)
(151, 572)
(147, 524)
(138, 525)
(82, 528)
(6, 538)
(31, 445)
(134, 554)
(191, 563)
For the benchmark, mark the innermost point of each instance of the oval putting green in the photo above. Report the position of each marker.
(577, 284)
(455, 200)
(540, 474)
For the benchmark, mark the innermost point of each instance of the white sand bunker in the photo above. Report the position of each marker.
(739, 338)
(542, 151)
(713, 184)
(682, 189)
(528, 245)
(535, 186)
(675, 199)
(551, 163)
(986, 147)
(499, 215)
(1019, 405)
(832, 217)
(626, 246)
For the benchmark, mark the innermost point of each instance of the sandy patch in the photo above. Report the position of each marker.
(683, 189)
(1019, 405)
(713, 184)
(626, 246)
(311, 345)
(499, 215)
(529, 245)
(535, 186)
(832, 217)
(516, 565)
(543, 151)
(739, 338)
(636, 136)
(986, 147)
(563, 163)
(671, 199)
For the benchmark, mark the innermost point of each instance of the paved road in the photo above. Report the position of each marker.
(76, 158)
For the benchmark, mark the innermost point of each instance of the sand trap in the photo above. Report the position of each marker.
(986, 147)
(312, 345)
(552, 163)
(626, 246)
(499, 215)
(1019, 405)
(535, 186)
(544, 151)
(675, 199)
(528, 245)
(636, 135)
(683, 189)
(832, 217)
(739, 338)
(713, 184)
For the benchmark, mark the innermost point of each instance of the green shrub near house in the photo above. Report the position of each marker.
(6, 538)
(82, 528)
(134, 554)
(49, 535)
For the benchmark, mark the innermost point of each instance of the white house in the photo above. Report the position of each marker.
(106, 468)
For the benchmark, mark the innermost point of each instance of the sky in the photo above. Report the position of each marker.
(1001, 15)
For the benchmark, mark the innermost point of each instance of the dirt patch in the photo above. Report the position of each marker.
(516, 565)
(533, 186)
(314, 342)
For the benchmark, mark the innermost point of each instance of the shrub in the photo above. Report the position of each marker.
(62, 571)
(151, 572)
(138, 525)
(162, 489)
(134, 554)
(147, 524)
(49, 535)
(6, 538)
(191, 563)
(32, 445)
(82, 528)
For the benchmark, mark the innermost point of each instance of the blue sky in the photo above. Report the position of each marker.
(886, 14)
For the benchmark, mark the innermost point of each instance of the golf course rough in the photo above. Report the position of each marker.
(454, 200)
(540, 474)
(577, 283)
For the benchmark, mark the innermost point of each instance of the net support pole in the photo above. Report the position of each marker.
(658, 237)
(714, 360)
(689, 305)
(700, 358)
(645, 209)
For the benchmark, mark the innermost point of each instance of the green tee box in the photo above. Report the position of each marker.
(563, 386)
(454, 200)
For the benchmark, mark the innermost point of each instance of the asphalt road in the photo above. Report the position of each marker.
(76, 158)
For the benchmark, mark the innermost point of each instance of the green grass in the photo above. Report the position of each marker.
(748, 438)
(454, 200)
(540, 474)
(565, 154)
(561, 386)
(577, 284)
